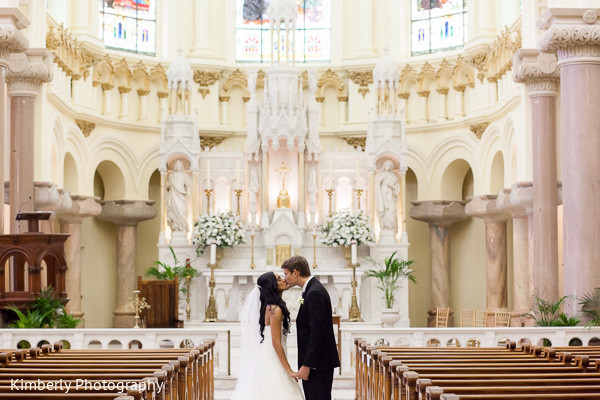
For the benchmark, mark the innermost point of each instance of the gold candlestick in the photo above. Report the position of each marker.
(208, 193)
(138, 306)
(359, 193)
(354, 312)
(211, 310)
(315, 266)
(238, 194)
(330, 193)
(252, 265)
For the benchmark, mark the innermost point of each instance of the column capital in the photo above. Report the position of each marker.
(537, 70)
(441, 213)
(485, 207)
(12, 40)
(81, 207)
(516, 209)
(48, 197)
(127, 212)
(573, 33)
(27, 71)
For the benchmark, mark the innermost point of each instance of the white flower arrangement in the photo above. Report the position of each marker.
(224, 229)
(344, 227)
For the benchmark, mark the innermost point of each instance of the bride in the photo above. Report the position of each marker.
(264, 371)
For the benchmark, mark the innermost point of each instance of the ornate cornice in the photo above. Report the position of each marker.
(537, 70)
(356, 141)
(211, 141)
(478, 129)
(362, 79)
(27, 71)
(11, 41)
(205, 79)
(85, 126)
(569, 41)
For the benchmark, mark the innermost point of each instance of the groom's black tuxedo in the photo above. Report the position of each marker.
(316, 341)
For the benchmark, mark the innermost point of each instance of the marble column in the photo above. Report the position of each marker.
(439, 214)
(539, 72)
(70, 222)
(106, 96)
(495, 236)
(574, 34)
(143, 95)
(423, 112)
(11, 41)
(443, 92)
(460, 100)
(126, 214)
(124, 91)
(27, 72)
(519, 206)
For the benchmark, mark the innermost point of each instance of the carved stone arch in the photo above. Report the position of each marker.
(141, 74)
(443, 75)
(123, 71)
(408, 77)
(425, 77)
(463, 73)
(330, 78)
(159, 73)
(236, 78)
(104, 72)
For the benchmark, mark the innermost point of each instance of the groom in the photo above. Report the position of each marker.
(317, 351)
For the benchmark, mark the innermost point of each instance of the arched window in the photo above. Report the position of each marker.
(438, 25)
(129, 25)
(313, 35)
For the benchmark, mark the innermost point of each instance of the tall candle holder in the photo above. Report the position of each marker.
(208, 193)
(211, 309)
(359, 193)
(314, 265)
(238, 194)
(252, 265)
(354, 312)
(330, 193)
(138, 306)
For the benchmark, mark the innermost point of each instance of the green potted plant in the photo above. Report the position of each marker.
(46, 311)
(388, 273)
(590, 307)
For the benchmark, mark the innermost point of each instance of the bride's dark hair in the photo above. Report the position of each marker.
(269, 295)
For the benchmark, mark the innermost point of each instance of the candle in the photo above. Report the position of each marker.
(208, 183)
(252, 232)
(354, 247)
(213, 253)
(314, 231)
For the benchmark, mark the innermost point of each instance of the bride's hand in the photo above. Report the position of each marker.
(293, 375)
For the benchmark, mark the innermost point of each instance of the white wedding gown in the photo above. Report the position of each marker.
(261, 375)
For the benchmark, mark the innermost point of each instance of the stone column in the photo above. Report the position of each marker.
(439, 214)
(519, 206)
(27, 72)
(201, 35)
(11, 41)
(106, 96)
(423, 97)
(539, 72)
(460, 102)
(443, 92)
(493, 90)
(126, 214)
(574, 34)
(124, 91)
(70, 222)
(495, 235)
(365, 44)
(143, 94)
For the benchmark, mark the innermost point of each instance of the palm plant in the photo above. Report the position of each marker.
(547, 313)
(167, 272)
(388, 273)
(46, 311)
(590, 307)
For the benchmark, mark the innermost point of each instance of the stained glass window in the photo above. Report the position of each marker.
(129, 25)
(253, 35)
(438, 25)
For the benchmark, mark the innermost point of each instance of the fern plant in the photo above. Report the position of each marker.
(547, 313)
(163, 271)
(46, 311)
(388, 273)
(590, 307)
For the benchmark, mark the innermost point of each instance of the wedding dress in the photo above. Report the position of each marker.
(261, 375)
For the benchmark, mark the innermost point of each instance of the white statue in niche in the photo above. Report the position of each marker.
(178, 190)
(312, 191)
(387, 189)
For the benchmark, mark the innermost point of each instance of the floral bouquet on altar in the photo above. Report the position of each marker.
(344, 227)
(224, 229)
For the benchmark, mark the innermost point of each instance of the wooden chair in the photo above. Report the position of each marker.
(467, 317)
(441, 317)
(481, 318)
(163, 298)
(502, 318)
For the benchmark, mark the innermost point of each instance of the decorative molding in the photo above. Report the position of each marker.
(356, 141)
(362, 79)
(569, 41)
(205, 79)
(496, 60)
(86, 126)
(478, 129)
(330, 77)
(27, 71)
(539, 71)
(211, 141)
(69, 54)
(236, 78)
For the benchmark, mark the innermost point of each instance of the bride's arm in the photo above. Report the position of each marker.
(276, 322)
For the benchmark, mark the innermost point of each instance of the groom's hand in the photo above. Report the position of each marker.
(303, 373)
